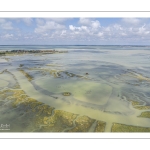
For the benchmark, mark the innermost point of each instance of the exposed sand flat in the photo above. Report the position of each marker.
(95, 114)
(2, 60)
(3, 83)
(92, 92)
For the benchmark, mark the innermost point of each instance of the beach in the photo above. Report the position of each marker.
(75, 89)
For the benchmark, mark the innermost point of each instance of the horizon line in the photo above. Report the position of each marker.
(73, 45)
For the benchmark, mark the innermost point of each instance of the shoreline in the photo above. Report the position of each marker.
(16, 52)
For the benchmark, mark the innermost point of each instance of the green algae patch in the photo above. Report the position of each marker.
(18, 100)
(53, 65)
(83, 124)
(43, 110)
(59, 73)
(100, 127)
(29, 77)
(145, 114)
(142, 107)
(6, 94)
(134, 103)
(66, 93)
(59, 121)
(54, 73)
(42, 117)
(17, 96)
(137, 105)
(17, 86)
(64, 117)
(128, 128)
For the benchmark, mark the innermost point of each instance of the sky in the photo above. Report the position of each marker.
(74, 31)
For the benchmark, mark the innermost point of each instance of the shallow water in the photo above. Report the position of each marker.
(101, 83)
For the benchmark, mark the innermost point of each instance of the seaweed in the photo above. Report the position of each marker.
(128, 128)
(29, 77)
(83, 123)
(145, 114)
(100, 127)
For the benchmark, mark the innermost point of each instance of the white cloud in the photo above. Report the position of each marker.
(40, 21)
(132, 21)
(27, 36)
(45, 34)
(82, 28)
(58, 20)
(2, 20)
(84, 21)
(91, 29)
(107, 29)
(100, 34)
(117, 27)
(71, 27)
(123, 34)
(49, 25)
(7, 36)
(88, 28)
(95, 24)
(143, 30)
(6, 25)
(63, 32)
(28, 21)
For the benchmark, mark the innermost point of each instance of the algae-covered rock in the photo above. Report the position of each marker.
(145, 114)
(59, 121)
(142, 107)
(100, 127)
(44, 118)
(66, 93)
(65, 118)
(128, 128)
(27, 75)
(83, 123)
(138, 105)
(134, 103)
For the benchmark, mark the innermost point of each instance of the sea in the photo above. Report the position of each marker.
(103, 81)
(75, 47)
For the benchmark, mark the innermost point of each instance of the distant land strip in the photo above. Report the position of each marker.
(75, 11)
(14, 52)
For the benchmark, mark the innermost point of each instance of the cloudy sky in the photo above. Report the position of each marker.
(75, 31)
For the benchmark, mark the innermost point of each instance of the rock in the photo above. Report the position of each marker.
(66, 93)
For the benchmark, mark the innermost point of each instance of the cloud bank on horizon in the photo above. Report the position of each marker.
(75, 31)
